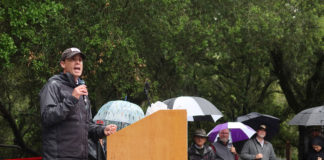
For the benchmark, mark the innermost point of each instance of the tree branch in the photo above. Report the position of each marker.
(315, 83)
(264, 90)
(279, 70)
(9, 146)
(18, 138)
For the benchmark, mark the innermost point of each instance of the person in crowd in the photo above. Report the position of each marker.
(224, 150)
(314, 132)
(258, 147)
(199, 150)
(317, 152)
(66, 113)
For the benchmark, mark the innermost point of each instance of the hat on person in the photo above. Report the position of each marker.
(317, 141)
(70, 52)
(262, 126)
(200, 133)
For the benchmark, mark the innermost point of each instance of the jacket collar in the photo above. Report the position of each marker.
(66, 79)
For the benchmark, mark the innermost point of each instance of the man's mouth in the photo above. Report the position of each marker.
(77, 68)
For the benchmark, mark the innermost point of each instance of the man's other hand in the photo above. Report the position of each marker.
(259, 156)
(110, 129)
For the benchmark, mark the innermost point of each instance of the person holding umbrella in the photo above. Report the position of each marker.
(199, 150)
(222, 148)
(317, 152)
(258, 147)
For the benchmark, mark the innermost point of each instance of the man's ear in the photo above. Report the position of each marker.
(62, 63)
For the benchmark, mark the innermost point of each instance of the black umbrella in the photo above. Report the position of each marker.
(309, 117)
(255, 119)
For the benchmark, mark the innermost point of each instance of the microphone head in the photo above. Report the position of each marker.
(147, 86)
(81, 82)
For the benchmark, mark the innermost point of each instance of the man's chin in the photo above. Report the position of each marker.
(224, 140)
(77, 74)
(261, 136)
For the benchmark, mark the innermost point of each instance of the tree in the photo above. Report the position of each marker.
(21, 28)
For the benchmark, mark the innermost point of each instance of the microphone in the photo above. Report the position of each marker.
(146, 91)
(82, 82)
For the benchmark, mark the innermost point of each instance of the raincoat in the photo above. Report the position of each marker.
(252, 147)
(193, 153)
(66, 120)
(313, 155)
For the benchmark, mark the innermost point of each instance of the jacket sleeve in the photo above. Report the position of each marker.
(272, 153)
(246, 151)
(52, 110)
(95, 131)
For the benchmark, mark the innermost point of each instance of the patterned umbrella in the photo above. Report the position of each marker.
(197, 108)
(238, 131)
(121, 113)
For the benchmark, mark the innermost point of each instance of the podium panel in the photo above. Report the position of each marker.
(160, 136)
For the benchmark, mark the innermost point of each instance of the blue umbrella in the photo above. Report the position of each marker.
(121, 113)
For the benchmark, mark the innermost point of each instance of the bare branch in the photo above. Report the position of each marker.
(9, 146)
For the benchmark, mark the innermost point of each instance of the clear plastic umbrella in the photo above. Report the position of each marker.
(121, 113)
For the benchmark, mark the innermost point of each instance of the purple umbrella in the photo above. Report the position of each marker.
(238, 131)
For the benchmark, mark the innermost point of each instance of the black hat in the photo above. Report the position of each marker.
(70, 52)
(317, 141)
(200, 133)
(262, 126)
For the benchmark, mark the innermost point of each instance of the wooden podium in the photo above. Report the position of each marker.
(160, 136)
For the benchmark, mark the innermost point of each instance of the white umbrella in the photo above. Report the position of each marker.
(197, 108)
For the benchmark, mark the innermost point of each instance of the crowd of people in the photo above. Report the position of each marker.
(222, 149)
(254, 148)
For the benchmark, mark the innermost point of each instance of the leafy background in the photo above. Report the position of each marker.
(243, 56)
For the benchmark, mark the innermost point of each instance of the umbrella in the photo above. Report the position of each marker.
(121, 113)
(197, 108)
(238, 131)
(255, 119)
(309, 117)
(156, 107)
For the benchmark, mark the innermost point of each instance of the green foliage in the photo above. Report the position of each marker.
(244, 56)
(7, 49)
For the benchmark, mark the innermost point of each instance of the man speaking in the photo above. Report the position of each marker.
(66, 114)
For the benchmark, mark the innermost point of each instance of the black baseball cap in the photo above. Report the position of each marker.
(70, 52)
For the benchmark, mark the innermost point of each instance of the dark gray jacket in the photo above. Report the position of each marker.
(222, 152)
(193, 153)
(252, 147)
(66, 121)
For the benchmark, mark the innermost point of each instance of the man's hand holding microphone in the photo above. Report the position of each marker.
(81, 90)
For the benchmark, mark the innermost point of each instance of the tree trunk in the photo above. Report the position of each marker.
(18, 137)
(301, 146)
(288, 151)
